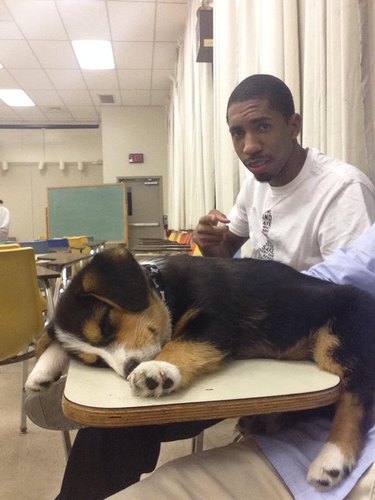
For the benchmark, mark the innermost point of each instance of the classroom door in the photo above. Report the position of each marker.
(145, 208)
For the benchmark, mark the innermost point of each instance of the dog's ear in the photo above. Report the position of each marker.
(115, 277)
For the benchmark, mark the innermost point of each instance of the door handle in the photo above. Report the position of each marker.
(144, 224)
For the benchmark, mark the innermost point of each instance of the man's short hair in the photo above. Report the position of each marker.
(1, 201)
(265, 87)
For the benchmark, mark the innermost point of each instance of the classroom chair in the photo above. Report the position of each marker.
(21, 315)
(78, 244)
(21, 310)
(39, 246)
(9, 246)
(58, 245)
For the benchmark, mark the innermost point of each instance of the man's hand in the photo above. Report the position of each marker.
(211, 234)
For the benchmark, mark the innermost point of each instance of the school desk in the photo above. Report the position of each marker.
(62, 262)
(99, 397)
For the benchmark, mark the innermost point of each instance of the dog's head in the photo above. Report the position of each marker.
(110, 315)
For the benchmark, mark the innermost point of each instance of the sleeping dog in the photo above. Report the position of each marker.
(162, 326)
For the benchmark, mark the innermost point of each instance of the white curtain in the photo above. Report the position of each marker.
(191, 174)
(367, 37)
(333, 112)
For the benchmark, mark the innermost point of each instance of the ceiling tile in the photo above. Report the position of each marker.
(165, 55)
(17, 54)
(85, 20)
(45, 98)
(135, 79)
(31, 78)
(37, 19)
(84, 113)
(66, 79)
(135, 97)
(32, 113)
(55, 54)
(60, 117)
(101, 79)
(132, 21)
(160, 79)
(159, 97)
(165, 30)
(7, 81)
(133, 55)
(8, 115)
(9, 31)
(75, 97)
(4, 12)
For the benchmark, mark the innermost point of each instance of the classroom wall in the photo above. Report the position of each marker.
(23, 187)
(128, 130)
(103, 151)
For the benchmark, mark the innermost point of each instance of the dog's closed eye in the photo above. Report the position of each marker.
(107, 325)
(152, 330)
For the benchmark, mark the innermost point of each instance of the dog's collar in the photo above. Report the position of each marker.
(156, 280)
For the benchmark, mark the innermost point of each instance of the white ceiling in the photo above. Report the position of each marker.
(37, 56)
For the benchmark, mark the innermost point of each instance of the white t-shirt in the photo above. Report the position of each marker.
(327, 206)
(4, 222)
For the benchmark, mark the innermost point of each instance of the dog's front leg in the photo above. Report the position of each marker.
(52, 363)
(175, 367)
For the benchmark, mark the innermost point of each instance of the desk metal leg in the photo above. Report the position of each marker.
(67, 443)
(197, 444)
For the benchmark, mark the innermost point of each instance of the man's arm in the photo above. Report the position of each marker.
(353, 266)
(213, 237)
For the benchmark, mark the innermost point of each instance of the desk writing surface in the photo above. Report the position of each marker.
(246, 387)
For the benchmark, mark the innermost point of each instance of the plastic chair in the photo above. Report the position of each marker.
(78, 244)
(21, 310)
(58, 244)
(8, 246)
(39, 246)
(21, 315)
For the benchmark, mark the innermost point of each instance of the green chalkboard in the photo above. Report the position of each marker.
(98, 211)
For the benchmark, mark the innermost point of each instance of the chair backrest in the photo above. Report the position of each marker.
(21, 317)
(77, 244)
(57, 244)
(39, 246)
(9, 246)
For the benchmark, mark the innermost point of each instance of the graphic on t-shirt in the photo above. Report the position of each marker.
(266, 252)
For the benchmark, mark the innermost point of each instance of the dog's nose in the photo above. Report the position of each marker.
(130, 365)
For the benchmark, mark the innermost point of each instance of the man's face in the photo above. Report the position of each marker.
(264, 141)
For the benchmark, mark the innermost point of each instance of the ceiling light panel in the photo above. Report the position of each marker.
(15, 97)
(94, 54)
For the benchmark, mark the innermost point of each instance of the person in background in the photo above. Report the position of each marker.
(298, 206)
(274, 467)
(4, 221)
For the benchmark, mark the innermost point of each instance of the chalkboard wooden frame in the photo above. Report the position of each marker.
(99, 211)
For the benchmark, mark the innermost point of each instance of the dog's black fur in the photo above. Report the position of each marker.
(220, 309)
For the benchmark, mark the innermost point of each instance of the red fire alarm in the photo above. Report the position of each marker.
(136, 158)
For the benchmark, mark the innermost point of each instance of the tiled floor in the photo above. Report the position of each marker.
(32, 464)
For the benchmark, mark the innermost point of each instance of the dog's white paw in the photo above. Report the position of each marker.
(40, 379)
(154, 378)
(50, 366)
(329, 468)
